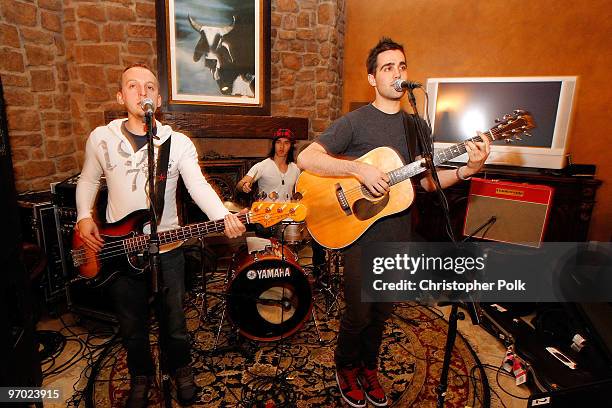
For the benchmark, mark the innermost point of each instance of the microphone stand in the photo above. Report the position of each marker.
(427, 153)
(158, 290)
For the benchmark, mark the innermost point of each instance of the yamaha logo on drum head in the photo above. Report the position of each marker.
(283, 272)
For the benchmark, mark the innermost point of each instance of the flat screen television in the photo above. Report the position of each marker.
(458, 107)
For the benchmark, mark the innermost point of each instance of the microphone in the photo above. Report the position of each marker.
(147, 106)
(400, 84)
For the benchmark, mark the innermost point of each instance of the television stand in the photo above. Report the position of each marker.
(570, 214)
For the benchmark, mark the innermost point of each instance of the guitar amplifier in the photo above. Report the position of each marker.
(509, 212)
(81, 299)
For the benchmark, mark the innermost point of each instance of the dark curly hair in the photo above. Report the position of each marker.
(385, 44)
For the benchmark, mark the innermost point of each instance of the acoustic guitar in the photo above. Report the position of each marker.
(341, 209)
(126, 245)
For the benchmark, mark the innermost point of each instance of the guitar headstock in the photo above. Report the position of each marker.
(268, 214)
(512, 126)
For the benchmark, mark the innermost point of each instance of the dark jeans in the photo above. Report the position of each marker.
(362, 324)
(318, 259)
(130, 296)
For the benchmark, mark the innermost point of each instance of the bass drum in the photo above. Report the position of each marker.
(269, 297)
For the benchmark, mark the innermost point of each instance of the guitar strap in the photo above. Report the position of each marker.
(410, 141)
(161, 175)
(411, 121)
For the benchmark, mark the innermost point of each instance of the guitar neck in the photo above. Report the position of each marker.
(141, 242)
(442, 156)
(196, 230)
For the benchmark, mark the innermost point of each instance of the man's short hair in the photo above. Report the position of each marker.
(385, 44)
(135, 65)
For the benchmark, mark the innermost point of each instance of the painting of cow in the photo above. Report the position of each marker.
(230, 59)
(215, 51)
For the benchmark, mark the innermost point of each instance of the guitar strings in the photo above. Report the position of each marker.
(137, 241)
(117, 248)
(357, 192)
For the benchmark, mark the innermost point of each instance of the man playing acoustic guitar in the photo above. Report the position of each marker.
(380, 123)
(118, 150)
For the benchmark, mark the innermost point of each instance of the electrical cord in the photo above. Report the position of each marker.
(454, 374)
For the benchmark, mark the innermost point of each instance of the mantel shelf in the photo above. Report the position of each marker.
(210, 125)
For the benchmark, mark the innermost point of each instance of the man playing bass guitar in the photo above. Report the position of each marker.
(381, 123)
(118, 150)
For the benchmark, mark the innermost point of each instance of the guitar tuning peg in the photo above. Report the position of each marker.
(527, 134)
(507, 117)
(518, 111)
(518, 138)
(497, 120)
(508, 140)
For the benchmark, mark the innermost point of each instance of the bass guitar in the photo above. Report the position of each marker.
(340, 209)
(126, 245)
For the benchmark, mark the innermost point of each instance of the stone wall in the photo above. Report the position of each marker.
(60, 63)
(102, 38)
(36, 91)
(307, 49)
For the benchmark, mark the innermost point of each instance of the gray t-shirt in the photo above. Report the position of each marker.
(362, 130)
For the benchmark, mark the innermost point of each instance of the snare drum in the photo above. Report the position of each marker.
(269, 297)
(291, 233)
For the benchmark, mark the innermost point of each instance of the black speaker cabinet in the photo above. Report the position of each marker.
(39, 229)
(588, 395)
(20, 364)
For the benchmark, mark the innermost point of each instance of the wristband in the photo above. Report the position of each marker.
(460, 177)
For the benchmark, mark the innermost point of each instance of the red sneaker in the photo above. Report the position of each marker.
(349, 388)
(368, 379)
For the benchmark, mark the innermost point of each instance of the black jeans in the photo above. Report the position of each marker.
(318, 259)
(130, 296)
(362, 324)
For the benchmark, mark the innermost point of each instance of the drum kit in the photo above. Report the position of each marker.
(267, 292)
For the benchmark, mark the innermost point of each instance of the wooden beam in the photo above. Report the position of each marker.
(196, 124)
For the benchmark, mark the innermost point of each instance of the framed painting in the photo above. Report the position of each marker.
(214, 55)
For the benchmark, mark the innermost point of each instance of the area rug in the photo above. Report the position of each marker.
(298, 371)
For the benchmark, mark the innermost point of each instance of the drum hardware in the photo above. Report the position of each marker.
(328, 282)
(293, 234)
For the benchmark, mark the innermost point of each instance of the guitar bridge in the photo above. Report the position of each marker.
(341, 197)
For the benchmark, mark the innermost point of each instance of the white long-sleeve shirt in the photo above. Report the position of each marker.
(110, 153)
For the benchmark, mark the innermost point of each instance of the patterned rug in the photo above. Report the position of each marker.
(298, 371)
